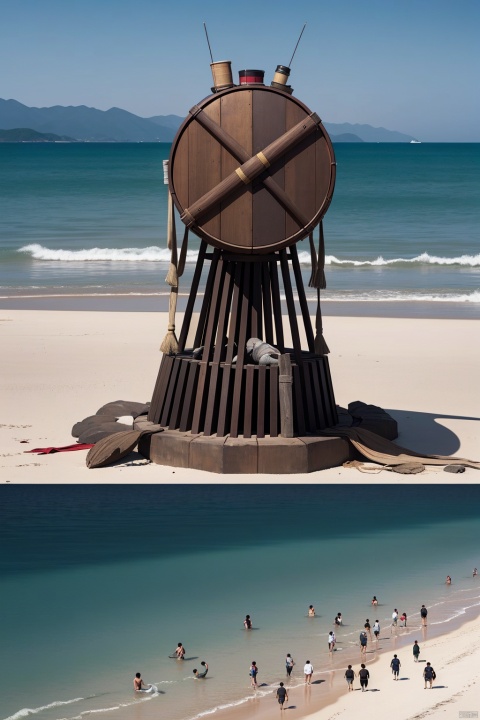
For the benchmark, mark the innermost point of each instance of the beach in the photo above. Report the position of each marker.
(60, 367)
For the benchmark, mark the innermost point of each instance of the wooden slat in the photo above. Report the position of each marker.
(242, 338)
(170, 391)
(248, 404)
(267, 304)
(205, 154)
(232, 335)
(159, 392)
(302, 299)
(210, 332)
(285, 395)
(187, 411)
(292, 315)
(299, 413)
(200, 334)
(236, 120)
(277, 307)
(319, 405)
(300, 168)
(214, 391)
(268, 124)
(192, 297)
(308, 396)
(273, 383)
(261, 400)
(179, 395)
(256, 329)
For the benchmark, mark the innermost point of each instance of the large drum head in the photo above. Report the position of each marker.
(283, 203)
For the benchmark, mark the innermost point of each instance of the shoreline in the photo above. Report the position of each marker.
(150, 302)
(442, 649)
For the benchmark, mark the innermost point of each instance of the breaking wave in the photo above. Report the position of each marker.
(157, 254)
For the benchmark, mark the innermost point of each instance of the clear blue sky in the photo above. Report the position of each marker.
(407, 65)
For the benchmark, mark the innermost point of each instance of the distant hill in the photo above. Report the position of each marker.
(345, 137)
(367, 133)
(116, 125)
(83, 123)
(29, 135)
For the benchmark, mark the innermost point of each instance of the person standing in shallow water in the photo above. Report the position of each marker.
(423, 615)
(311, 611)
(289, 663)
(308, 672)
(247, 622)
(281, 695)
(253, 674)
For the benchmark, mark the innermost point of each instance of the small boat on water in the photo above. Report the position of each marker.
(415, 142)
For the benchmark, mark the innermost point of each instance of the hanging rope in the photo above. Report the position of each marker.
(317, 280)
(169, 344)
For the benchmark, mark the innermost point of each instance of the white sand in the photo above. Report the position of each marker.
(60, 367)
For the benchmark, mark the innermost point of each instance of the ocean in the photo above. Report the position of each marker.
(100, 582)
(84, 226)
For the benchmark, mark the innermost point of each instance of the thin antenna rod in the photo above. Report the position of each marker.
(296, 46)
(208, 41)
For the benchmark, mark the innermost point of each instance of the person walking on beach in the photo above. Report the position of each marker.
(253, 674)
(403, 618)
(368, 628)
(349, 677)
(395, 665)
(289, 663)
(364, 675)
(203, 674)
(429, 675)
(423, 615)
(308, 672)
(416, 651)
(247, 623)
(311, 611)
(331, 641)
(282, 695)
(394, 618)
(363, 642)
(180, 652)
(376, 629)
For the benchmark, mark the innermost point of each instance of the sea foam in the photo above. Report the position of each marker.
(157, 254)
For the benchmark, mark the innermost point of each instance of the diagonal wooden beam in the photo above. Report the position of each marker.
(251, 167)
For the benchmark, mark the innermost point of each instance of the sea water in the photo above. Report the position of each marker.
(90, 219)
(101, 582)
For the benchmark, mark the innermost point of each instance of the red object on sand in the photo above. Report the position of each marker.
(65, 448)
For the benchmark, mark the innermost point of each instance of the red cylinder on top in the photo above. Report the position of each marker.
(251, 77)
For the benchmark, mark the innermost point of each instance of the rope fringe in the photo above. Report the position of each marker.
(169, 344)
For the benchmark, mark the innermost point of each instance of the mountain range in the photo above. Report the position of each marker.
(116, 125)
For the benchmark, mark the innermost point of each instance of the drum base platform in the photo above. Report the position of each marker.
(267, 455)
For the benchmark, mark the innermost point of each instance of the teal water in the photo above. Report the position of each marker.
(100, 582)
(90, 219)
